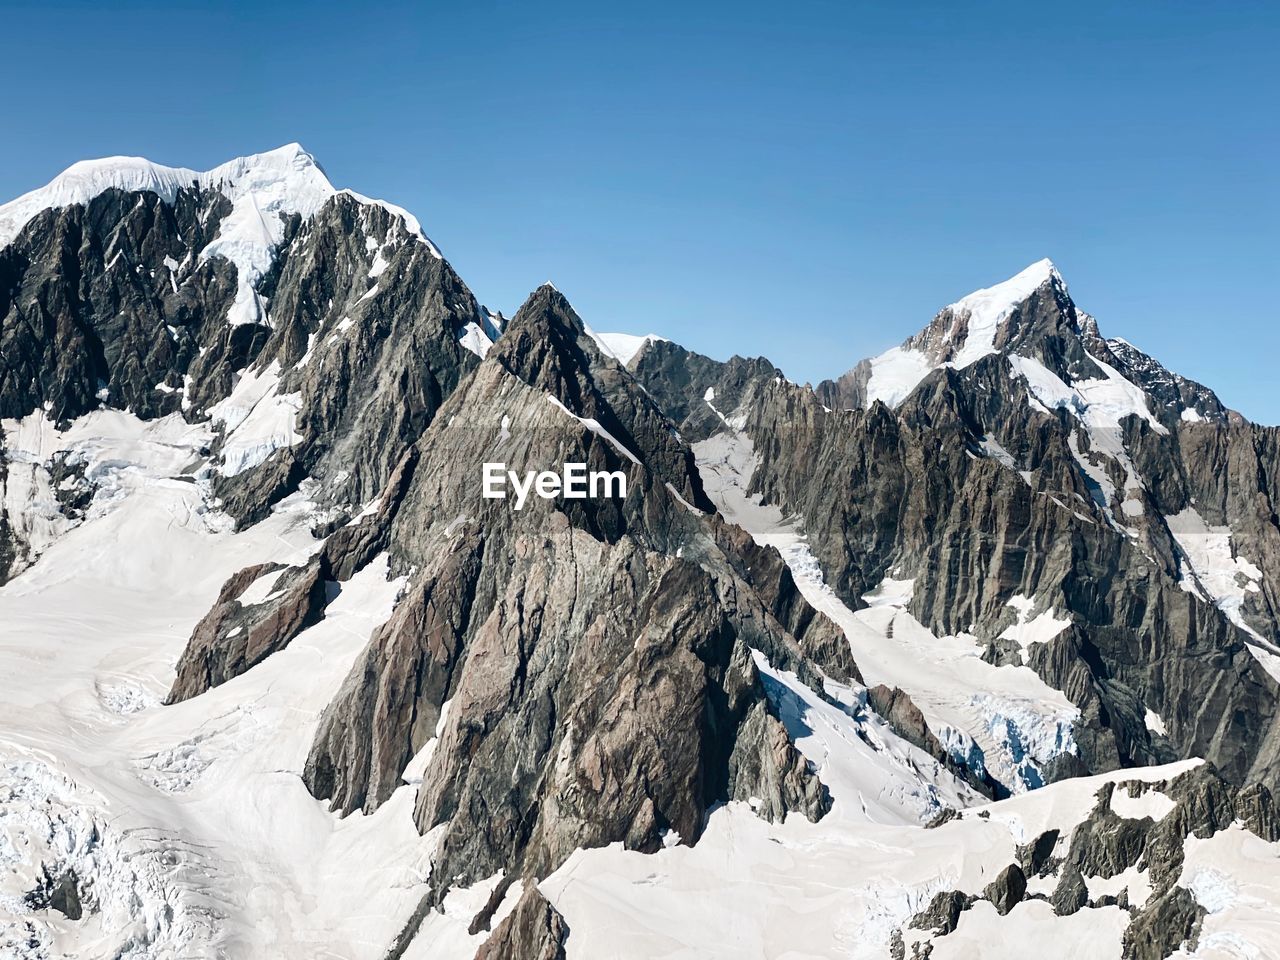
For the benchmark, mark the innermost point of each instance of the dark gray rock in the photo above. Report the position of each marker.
(1171, 921)
(233, 637)
(1071, 893)
(1007, 890)
(86, 304)
(942, 915)
(1036, 858)
(914, 489)
(1107, 844)
(594, 656)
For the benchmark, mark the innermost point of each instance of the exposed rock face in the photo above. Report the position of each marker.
(847, 391)
(371, 353)
(943, 913)
(1036, 858)
(581, 672)
(10, 545)
(234, 635)
(1007, 890)
(88, 306)
(393, 697)
(1107, 844)
(1072, 893)
(114, 303)
(1168, 924)
(678, 379)
(986, 486)
(585, 667)
(534, 930)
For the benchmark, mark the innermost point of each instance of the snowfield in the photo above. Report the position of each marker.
(185, 831)
(187, 827)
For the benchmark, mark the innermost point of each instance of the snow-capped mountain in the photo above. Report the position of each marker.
(971, 648)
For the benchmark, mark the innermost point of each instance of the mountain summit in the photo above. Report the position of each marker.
(1030, 315)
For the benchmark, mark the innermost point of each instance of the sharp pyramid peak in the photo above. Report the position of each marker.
(1013, 290)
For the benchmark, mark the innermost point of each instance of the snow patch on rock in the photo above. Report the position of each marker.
(1015, 721)
(256, 418)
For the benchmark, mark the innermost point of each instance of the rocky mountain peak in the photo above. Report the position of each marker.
(1031, 319)
(250, 404)
(1027, 307)
(286, 178)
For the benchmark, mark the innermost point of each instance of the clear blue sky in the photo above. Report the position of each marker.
(808, 181)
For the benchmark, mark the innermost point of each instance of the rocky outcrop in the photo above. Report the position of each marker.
(942, 915)
(90, 314)
(371, 352)
(114, 303)
(1104, 845)
(1107, 844)
(1007, 890)
(847, 391)
(1036, 858)
(1072, 893)
(534, 930)
(766, 772)
(1165, 926)
(391, 702)
(234, 635)
(574, 673)
(10, 546)
(578, 673)
(679, 381)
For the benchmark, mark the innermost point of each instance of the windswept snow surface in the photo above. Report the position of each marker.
(118, 454)
(474, 338)
(1233, 876)
(1032, 630)
(1212, 569)
(985, 310)
(1100, 405)
(190, 834)
(837, 888)
(623, 347)
(187, 827)
(895, 373)
(1004, 720)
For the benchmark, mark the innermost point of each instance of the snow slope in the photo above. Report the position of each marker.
(188, 826)
(623, 347)
(834, 889)
(191, 834)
